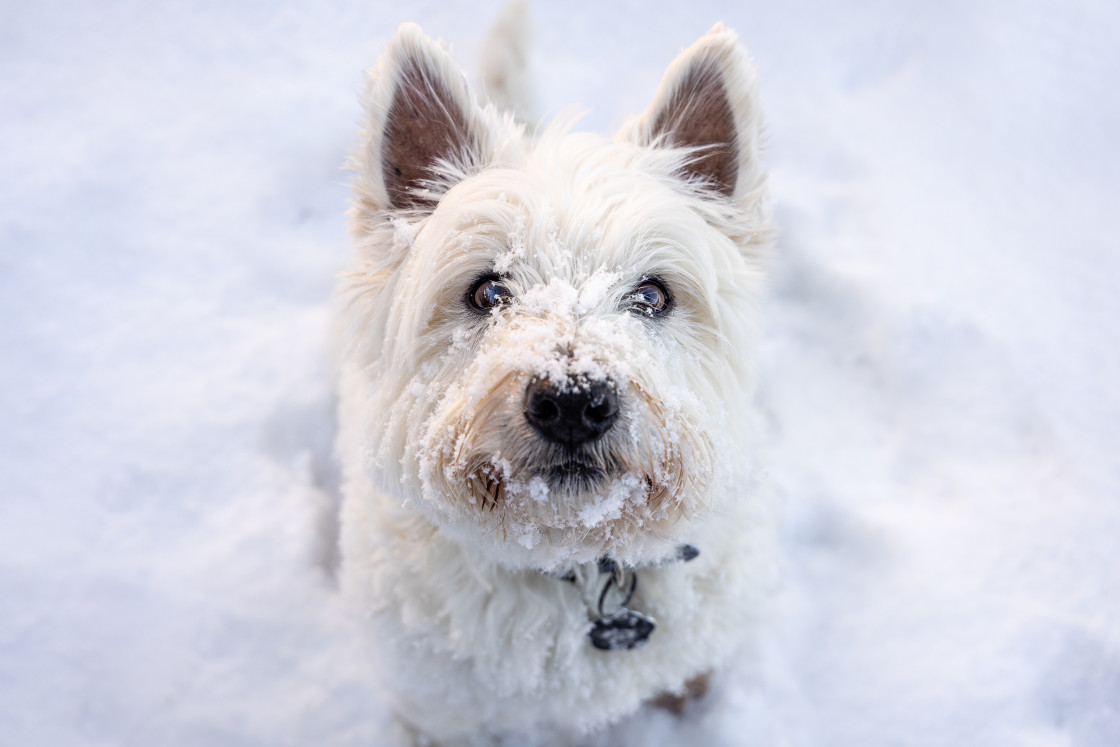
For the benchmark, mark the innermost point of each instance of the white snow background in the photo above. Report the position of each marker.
(940, 363)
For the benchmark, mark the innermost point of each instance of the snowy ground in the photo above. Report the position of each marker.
(941, 363)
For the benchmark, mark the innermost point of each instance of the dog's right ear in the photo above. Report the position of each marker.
(423, 129)
(708, 103)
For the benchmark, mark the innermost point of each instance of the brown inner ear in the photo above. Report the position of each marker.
(699, 114)
(423, 124)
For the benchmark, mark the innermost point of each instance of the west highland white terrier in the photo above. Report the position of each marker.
(550, 513)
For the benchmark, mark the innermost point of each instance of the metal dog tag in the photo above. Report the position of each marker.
(622, 632)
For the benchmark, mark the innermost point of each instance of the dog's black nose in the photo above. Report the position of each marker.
(576, 414)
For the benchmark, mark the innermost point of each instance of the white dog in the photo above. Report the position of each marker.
(550, 515)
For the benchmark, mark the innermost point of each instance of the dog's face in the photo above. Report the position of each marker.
(550, 335)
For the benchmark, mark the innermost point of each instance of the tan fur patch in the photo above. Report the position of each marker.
(676, 703)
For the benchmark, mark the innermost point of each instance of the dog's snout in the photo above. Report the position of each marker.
(575, 414)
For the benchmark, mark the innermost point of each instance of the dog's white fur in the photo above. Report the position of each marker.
(446, 527)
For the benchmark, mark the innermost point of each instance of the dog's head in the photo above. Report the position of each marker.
(549, 335)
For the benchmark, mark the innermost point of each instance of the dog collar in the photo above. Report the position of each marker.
(607, 587)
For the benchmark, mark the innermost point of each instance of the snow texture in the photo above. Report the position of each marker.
(939, 364)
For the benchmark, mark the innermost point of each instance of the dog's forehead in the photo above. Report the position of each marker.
(572, 213)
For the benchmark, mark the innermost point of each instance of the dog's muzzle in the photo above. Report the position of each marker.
(575, 413)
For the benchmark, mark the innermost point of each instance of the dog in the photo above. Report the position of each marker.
(551, 512)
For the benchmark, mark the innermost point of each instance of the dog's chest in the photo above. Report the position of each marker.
(530, 626)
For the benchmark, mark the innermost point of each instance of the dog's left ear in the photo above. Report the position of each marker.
(708, 101)
(423, 131)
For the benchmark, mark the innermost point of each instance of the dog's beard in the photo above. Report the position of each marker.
(642, 476)
(568, 470)
(575, 473)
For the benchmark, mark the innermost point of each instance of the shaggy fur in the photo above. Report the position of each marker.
(456, 529)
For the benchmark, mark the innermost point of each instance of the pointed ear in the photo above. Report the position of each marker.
(708, 101)
(423, 126)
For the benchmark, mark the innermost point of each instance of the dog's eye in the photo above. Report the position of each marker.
(650, 298)
(489, 293)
